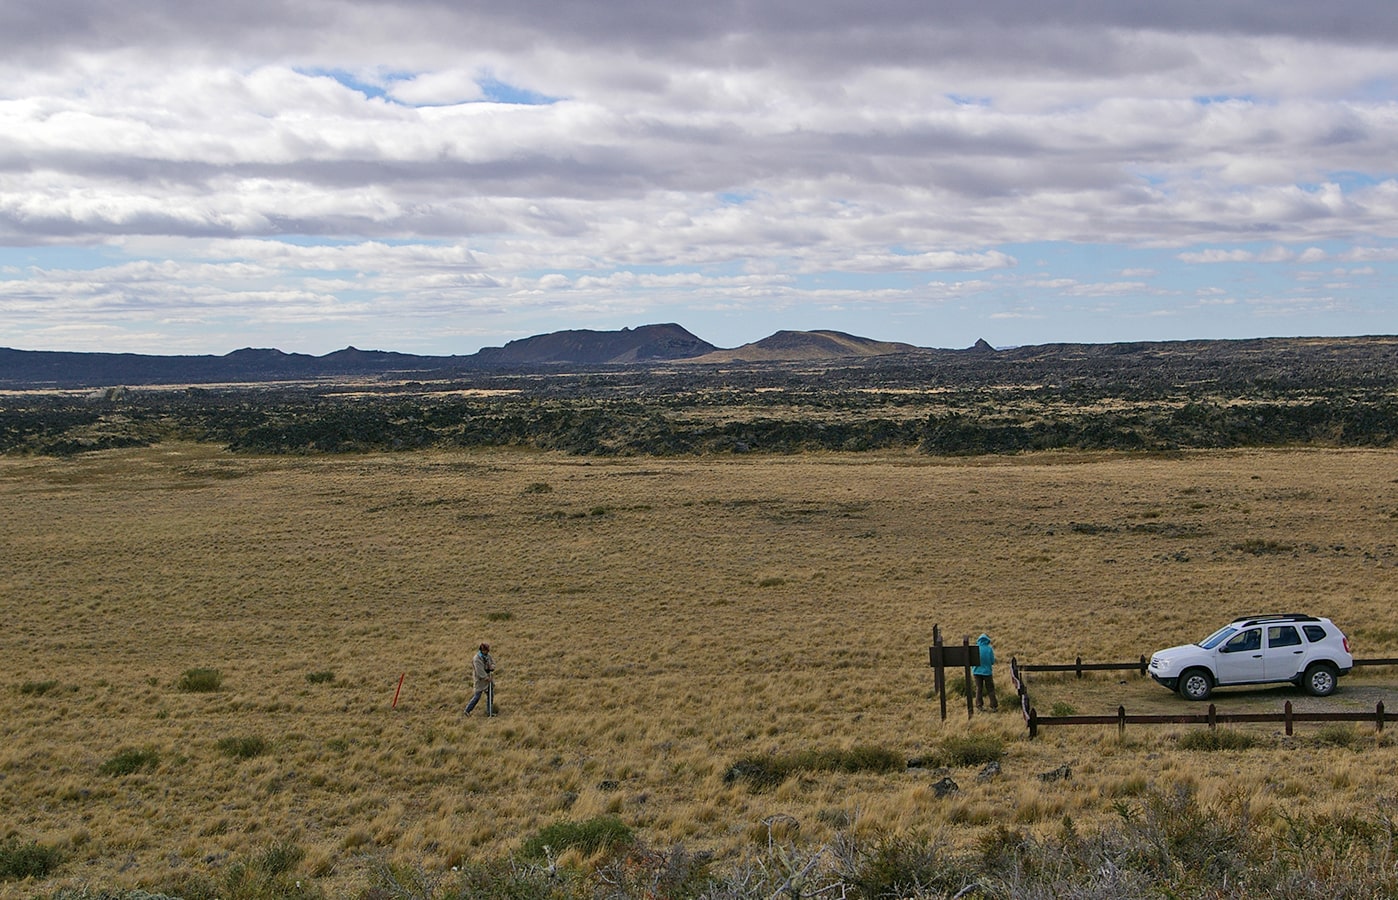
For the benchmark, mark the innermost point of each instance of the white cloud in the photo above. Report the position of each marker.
(364, 145)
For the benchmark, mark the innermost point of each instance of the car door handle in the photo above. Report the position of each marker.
(1257, 656)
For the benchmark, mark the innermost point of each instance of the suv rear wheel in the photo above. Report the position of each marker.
(1195, 684)
(1320, 680)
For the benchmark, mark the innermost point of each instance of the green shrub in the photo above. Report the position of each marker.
(1060, 708)
(901, 866)
(499, 616)
(770, 770)
(269, 875)
(1261, 547)
(320, 677)
(130, 761)
(37, 688)
(589, 836)
(200, 681)
(1216, 739)
(495, 879)
(243, 747)
(539, 487)
(969, 750)
(1338, 734)
(31, 860)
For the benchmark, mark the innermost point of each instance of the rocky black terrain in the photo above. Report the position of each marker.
(658, 390)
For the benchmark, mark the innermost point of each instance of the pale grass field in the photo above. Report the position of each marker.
(654, 620)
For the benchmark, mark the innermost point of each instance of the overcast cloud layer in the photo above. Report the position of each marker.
(180, 178)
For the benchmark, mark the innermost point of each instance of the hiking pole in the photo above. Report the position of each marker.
(490, 698)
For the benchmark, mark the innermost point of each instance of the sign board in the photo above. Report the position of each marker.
(941, 656)
(956, 656)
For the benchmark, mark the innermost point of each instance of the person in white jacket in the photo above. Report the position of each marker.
(483, 675)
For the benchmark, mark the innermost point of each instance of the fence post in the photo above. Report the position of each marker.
(966, 665)
(1079, 665)
(1144, 664)
(1378, 716)
(1213, 717)
(1033, 723)
(939, 674)
(1121, 721)
(1286, 713)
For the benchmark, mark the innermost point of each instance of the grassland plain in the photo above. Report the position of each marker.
(654, 620)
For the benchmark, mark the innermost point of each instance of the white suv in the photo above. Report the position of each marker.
(1305, 650)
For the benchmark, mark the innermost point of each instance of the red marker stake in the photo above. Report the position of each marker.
(400, 689)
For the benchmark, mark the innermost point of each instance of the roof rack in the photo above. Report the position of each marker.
(1274, 617)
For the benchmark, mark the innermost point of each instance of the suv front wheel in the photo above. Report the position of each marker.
(1196, 684)
(1320, 680)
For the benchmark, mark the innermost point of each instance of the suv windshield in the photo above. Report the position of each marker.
(1217, 637)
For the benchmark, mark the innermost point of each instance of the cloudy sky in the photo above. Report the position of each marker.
(435, 176)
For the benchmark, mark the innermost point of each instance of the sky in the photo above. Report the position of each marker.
(438, 176)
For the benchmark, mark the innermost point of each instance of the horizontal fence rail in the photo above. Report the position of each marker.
(1080, 667)
(1212, 718)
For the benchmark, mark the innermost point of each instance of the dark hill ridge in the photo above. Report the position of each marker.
(1260, 362)
(647, 344)
(806, 345)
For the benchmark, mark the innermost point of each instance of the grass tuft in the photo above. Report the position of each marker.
(32, 860)
(588, 836)
(768, 771)
(130, 761)
(1261, 547)
(200, 681)
(320, 677)
(968, 750)
(1216, 739)
(1339, 734)
(243, 747)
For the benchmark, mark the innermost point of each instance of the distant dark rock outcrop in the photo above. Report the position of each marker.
(806, 345)
(649, 343)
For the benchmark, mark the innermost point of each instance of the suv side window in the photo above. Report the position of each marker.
(1283, 636)
(1244, 641)
(1314, 633)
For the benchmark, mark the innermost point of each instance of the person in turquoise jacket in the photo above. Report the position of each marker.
(984, 675)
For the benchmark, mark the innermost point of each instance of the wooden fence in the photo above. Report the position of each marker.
(1121, 719)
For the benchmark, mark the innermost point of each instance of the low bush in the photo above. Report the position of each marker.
(130, 761)
(770, 770)
(320, 677)
(589, 836)
(200, 681)
(270, 874)
(1261, 547)
(495, 879)
(32, 860)
(968, 750)
(902, 866)
(1216, 739)
(243, 747)
(37, 688)
(1338, 734)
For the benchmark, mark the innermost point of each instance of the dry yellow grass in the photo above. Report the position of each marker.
(654, 620)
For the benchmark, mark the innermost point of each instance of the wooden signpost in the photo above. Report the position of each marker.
(940, 657)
